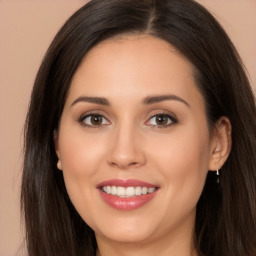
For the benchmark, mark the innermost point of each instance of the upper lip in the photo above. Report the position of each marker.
(126, 183)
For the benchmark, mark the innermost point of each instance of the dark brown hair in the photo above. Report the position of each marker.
(226, 213)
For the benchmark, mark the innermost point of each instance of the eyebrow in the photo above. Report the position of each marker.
(95, 100)
(159, 98)
(147, 101)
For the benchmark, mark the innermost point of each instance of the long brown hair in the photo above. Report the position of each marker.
(226, 213)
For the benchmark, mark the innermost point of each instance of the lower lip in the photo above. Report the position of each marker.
(126, 203)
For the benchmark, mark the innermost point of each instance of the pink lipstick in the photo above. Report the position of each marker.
(126, 194)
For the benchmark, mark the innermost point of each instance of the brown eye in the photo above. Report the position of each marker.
(96, 120)
(162, 120)
(93, 120)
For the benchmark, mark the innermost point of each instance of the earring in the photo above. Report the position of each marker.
(218, 175)
(59, 165)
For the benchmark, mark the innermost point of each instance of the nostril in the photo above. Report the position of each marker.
(123, 165)
(112, 164)
(133, 163)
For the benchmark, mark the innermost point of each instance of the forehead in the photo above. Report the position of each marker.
(134, 65)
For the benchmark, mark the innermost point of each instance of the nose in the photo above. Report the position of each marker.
(126, 149)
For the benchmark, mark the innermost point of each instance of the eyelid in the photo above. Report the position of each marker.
(91, 113)
(166, 113)
(171, 116)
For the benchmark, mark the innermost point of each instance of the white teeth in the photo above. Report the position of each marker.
(113, 190)
(144, 190)
(151, 190)
(138, 191)
(120, 191)
(127, 191)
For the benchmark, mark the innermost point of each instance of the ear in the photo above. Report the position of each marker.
(221, 143)
(57, 150)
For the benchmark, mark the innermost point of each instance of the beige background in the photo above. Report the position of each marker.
(26, 29)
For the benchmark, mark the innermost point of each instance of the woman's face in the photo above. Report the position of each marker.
(134, 142)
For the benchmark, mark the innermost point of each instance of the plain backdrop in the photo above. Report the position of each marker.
(26, 30)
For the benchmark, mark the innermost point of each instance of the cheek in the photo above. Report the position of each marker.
(81, 158)
(182, 159)
(80, 152)
(184, 150)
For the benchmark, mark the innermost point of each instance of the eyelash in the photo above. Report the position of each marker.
(83, 117)
(172, 120)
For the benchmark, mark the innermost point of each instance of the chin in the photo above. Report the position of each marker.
(127, 231)
(124, 236)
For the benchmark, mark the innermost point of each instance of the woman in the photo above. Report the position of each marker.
(129, 148)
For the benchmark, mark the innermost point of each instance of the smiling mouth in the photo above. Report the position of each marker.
(127, 192)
